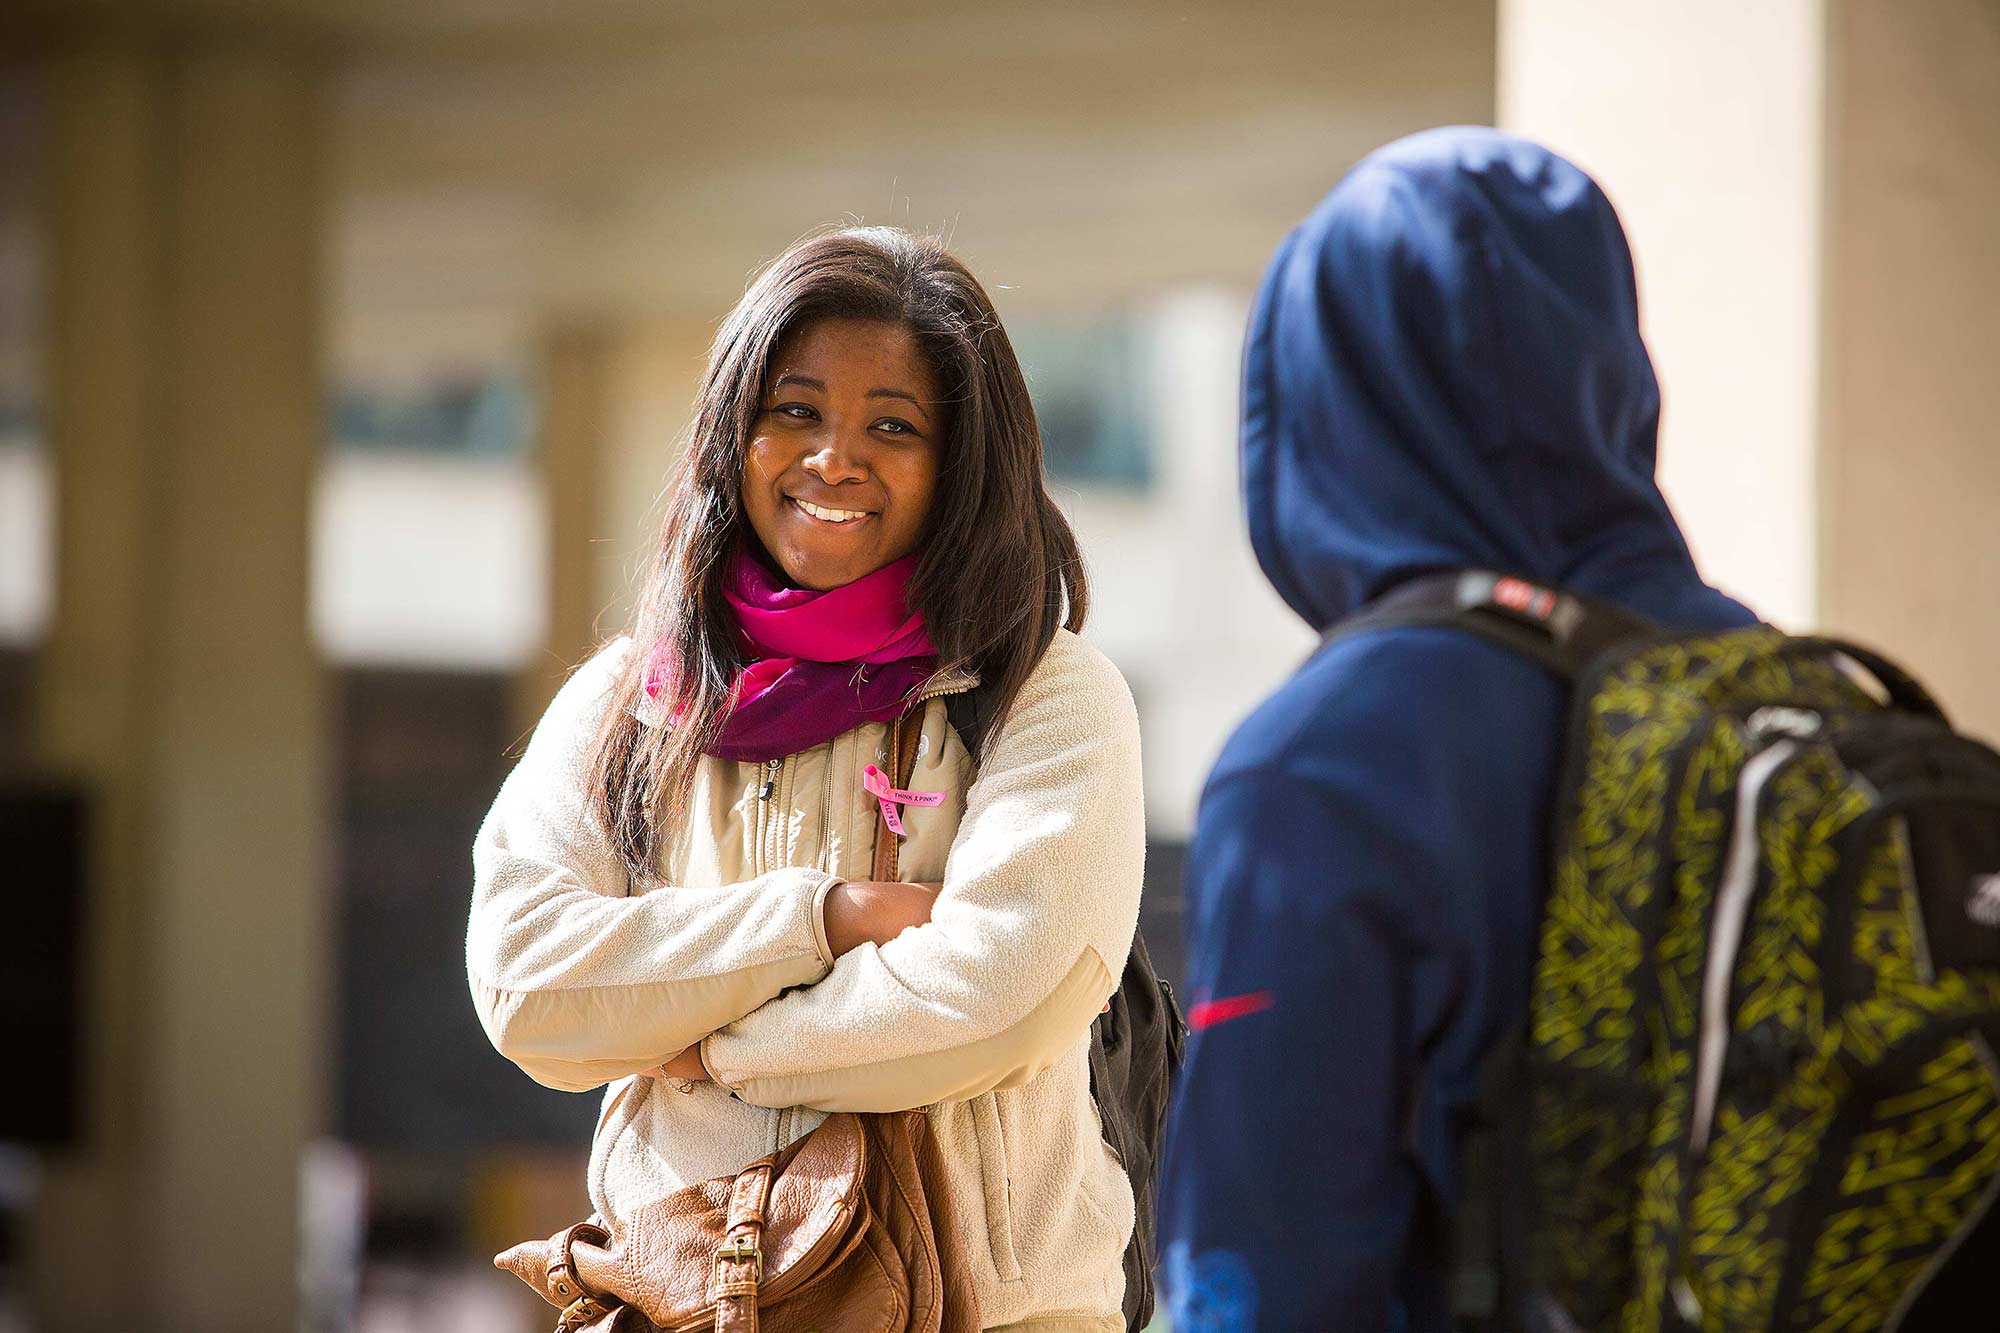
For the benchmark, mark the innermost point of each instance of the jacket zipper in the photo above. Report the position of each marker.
(761, 861)
(938, 690)
(826, 811)
(773, 770)
(783, 775)
(761, 821)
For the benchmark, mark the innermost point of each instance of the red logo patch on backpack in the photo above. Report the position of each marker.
(1524, 597)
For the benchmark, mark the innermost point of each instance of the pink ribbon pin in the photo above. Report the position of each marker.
(876, 783)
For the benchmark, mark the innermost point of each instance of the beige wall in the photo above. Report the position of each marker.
(1910, 464)
(1702, 120)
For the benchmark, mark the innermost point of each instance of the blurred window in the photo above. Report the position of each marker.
(430, 543)
(484, 415)
(27, 539)
(1089, 381)
(27, 487)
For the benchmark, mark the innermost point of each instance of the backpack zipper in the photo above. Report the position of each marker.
(1733, 897)
(1725, 937)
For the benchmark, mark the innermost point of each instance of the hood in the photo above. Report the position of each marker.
(1444, 368)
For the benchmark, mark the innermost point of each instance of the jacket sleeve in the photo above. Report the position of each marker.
(1025, 943)
(577, 981)
(1287, 1199)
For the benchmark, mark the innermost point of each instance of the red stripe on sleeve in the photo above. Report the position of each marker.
(1210, 1012)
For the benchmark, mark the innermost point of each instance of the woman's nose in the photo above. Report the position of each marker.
(835, 460)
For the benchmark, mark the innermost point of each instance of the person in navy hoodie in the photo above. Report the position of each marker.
(1444, 369)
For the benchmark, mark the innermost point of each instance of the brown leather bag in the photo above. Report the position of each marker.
(835, 1234)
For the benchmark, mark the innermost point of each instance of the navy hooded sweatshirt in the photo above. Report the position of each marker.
(1444, 369)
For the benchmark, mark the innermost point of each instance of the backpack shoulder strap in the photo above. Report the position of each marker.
(967, 717)
(1475, 1240)
(1561, 630)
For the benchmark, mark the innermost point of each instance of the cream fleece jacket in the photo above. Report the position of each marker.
(982, 1016)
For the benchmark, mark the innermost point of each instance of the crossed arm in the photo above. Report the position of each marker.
(853, 914)
(799, 988)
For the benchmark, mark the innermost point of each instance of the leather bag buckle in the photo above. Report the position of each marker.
(740, 1249)
(579, 1312)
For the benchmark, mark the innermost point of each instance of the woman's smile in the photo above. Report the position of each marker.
(843, 460)
(828, 514)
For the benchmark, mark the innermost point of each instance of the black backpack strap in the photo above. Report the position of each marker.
(968, 717)
(1561, 630)
(1482, 1245)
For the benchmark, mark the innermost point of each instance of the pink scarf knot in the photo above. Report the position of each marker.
(817, 664)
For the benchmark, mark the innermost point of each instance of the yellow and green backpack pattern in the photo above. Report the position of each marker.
(1761, 1091)
(1757, 1092)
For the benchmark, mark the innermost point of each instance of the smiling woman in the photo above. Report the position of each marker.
(851, 822)
(844, 455)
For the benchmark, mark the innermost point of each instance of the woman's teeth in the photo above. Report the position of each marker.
(831, 515)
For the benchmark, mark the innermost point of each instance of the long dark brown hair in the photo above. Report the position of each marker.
(999, 570)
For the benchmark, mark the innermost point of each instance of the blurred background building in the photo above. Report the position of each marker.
(344, 345)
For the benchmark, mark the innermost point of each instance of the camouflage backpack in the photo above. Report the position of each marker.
(1757, 1089)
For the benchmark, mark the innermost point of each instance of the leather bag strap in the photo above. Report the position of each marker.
(739, 1262)
(885, 842)
(905, 733)
(564, 1286)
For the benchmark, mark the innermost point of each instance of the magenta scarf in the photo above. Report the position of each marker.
(818, 663)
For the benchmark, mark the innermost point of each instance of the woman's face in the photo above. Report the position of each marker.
(844, 455)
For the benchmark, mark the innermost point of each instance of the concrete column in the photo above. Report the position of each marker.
(1810, 187)
(1910, 465)
(180, 680)
(656, 371)
(569, 454)
(616, 401)
(242, 931)
(1702, 120)
(104, 194)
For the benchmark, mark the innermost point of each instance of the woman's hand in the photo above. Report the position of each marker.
(857, 913)
(874, 912)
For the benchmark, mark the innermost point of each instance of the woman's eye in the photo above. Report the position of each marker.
(895, 427)
(796, 411)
